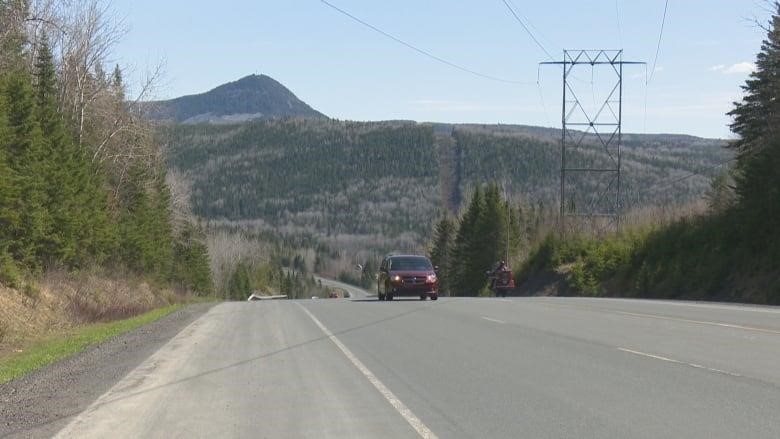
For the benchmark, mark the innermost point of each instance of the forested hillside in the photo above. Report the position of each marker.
(342, 180)
(374, 187)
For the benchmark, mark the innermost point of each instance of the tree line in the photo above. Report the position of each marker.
(82, 179)
(491, 229)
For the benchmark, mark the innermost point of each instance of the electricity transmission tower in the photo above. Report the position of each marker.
(591, 141)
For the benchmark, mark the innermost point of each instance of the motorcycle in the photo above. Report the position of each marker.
(502, 280)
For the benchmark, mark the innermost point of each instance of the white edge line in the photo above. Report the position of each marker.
(493, 320)
(645, 354)
(671, 360)
(400, 407)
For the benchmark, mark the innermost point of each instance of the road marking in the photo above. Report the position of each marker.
(700, 322)
(672, 360)
(494, 320)
(402, 409)
(729, 307)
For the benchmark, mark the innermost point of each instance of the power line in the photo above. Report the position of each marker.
(619, 25)
(544, 105)
(421, 51)
(645, 116)
(544, 39)
(660, 35)
(527, 30)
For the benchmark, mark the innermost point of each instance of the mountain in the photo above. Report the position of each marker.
(249, 98)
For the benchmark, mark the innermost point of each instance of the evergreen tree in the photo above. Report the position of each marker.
(146, 228)
(191, 270)
(76, 198)
(757, 122)
(465, 281)
(757, 116)
(492, 229)
(26, 157)
(162, 224)
(441, 253)
(239, 285)
(299, 264)
(9, 187)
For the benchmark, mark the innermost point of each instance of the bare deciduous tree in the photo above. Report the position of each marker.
(227, 249)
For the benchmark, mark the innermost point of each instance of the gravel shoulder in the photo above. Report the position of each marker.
(41, 403)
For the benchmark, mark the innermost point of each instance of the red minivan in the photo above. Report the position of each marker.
(407, 275)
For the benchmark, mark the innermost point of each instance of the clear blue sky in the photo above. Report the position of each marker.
(347, 71)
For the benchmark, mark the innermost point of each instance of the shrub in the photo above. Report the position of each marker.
(9, 273)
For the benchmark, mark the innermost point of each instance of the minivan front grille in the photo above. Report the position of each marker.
(413, 280)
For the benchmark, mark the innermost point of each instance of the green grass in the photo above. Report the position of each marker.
(51, 350)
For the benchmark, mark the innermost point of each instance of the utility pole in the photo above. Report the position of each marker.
(581, 199)
(508, 228)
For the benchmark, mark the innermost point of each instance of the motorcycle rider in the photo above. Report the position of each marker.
(501, 266)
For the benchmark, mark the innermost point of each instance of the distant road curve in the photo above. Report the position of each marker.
(354, 292)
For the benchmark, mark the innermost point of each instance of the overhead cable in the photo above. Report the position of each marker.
(660, 36)
(422, 51)
(527, 30)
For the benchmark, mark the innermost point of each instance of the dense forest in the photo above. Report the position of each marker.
(375, 183)
(82, 179)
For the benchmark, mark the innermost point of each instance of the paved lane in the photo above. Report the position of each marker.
(526, 367)
(245, 370)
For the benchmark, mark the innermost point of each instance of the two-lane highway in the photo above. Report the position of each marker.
(526, 367)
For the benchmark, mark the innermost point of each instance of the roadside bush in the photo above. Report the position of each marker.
(10, 275)
(592, 260)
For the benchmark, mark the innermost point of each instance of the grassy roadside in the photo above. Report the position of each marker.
(704, 257)
(53, 349)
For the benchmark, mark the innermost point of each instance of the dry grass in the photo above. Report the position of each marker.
(663, 215)
(636, 219)
(60, 302)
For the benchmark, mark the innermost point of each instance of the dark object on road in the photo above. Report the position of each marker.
(407, 275)
(501, 279)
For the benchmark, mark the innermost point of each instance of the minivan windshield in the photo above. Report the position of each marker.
(410, 263)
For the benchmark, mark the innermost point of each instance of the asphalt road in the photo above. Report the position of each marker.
(481, 368)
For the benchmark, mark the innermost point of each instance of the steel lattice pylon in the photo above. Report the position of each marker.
(590, 143)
